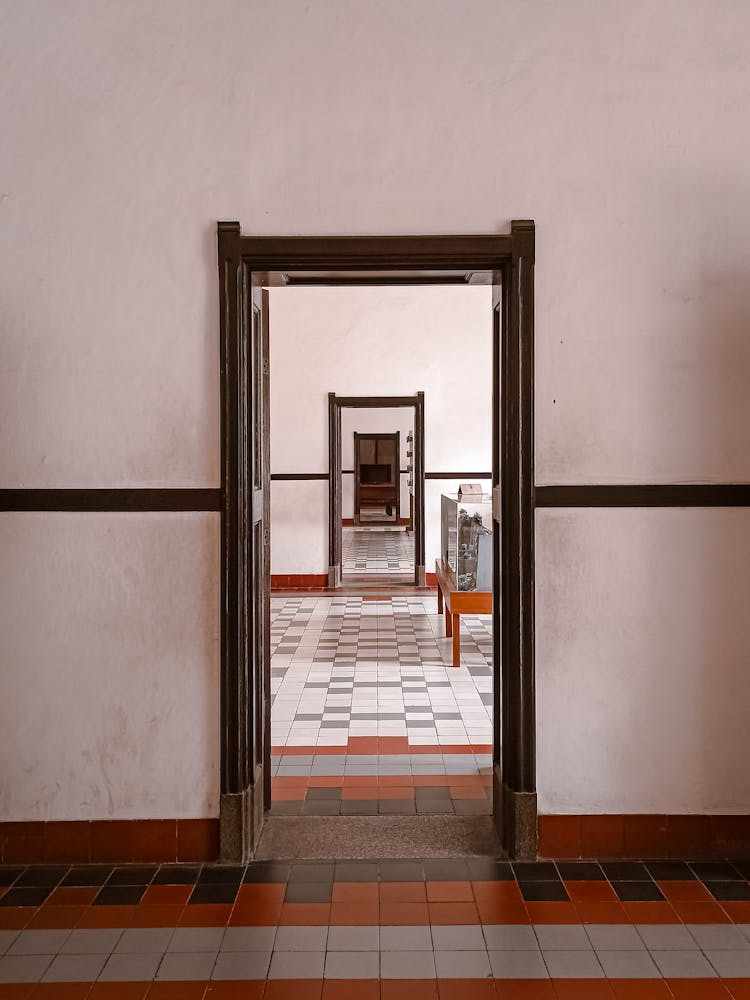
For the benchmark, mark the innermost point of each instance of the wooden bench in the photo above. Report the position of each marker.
(458, 602)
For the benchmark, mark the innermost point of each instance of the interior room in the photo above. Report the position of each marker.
(240, 755)
(377, 496)
(367, 668)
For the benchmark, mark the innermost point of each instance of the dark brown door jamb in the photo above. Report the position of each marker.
(514, 714)
(510, 258)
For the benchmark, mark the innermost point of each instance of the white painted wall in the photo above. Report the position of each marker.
(622, 128)
(643, 635)
(373, 342)
(109, 695)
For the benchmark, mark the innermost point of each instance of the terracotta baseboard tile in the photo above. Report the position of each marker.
(560, 836)
(299, 581)
(22, 842)
(639, 836)
(116, 841)
(197, 839)
(133, 840)
(67, 841)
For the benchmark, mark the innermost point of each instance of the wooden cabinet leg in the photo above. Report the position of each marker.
(448, 622)
(456, 641)
(440, 600)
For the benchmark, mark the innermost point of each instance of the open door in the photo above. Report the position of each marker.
(514, 716)
(245, 563)
(259, 595)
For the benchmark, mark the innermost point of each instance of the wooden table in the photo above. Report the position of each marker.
(458, 602)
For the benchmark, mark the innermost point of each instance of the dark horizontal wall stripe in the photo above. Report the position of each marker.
(719, 495)
(84, 500)
(294, 477)
(350, 472)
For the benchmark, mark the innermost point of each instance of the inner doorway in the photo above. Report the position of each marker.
(370, 542)
(248, 264)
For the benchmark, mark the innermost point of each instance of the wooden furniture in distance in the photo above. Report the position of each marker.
(458, 602)
(377, 476)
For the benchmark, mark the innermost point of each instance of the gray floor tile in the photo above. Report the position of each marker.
(6, 940)
(297, 965)
(518, 965)
(666, 937)
(248, 939)
(730, 964)
(352, 964)
(472, 807)
(364, 938)
(562, 937)
(407, 965)
(196, 939)
(510, 937)
(39, 942)
(144, 940)
(406, 938)
(241, 965)
(683, 964)
(23, 968)
(74, 969)
(573, 964)
(621, 964)
(93, 941)
(614, 937)
(715, 937)
(301, 939)
(124, 968)
(186, 966)
(462, 964)
(460, 937)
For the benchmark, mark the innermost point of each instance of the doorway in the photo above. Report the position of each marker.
(385, 541)
(246, 266)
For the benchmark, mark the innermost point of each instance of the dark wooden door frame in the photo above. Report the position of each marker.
(335, 405)
(510, 259)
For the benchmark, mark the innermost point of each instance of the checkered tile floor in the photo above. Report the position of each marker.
(377, 551)
(451, 929)
(347, 667)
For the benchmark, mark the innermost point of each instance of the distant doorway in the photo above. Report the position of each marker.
(377, 479)
(376, 496)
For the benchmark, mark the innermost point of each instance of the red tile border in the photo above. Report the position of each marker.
(197, 839)
(370, 903)
(92, 841)
(299, 581)
(389, 989)
(133, 840)
(638, 836)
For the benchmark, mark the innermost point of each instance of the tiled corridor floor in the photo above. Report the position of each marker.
(376, 551)
(453, 929)
(347, 667)
(368, 715)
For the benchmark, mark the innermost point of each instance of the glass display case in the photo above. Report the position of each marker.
(466, 539)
